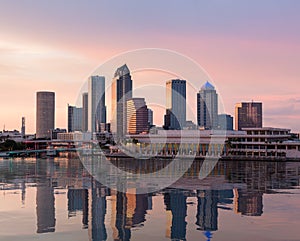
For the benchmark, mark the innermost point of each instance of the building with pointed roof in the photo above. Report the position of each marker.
(207, 86)
(121, 93)
(121, 71)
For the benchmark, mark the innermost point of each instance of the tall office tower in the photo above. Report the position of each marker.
(150, 117)
(85, 112)
(45, 113)
(248, 115)
(137, 116)
(74, 118)
(207, 107)
(23, 127)
(225, 122)
(121, 92)
(175, 117)
(96, 103)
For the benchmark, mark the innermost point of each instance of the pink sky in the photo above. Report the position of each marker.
(248, 58)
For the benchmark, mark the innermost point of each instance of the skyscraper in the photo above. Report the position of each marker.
(96, 103)
(137, 116)
(207, 107)
(175, 117)
(85, 112)
(74, 118)
(248, 115)
(45, 113)
(121, 93)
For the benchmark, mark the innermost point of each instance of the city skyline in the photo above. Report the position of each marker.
(76, 118)
(248, 49)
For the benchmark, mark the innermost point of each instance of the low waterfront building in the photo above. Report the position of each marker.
(11, 135)
(266, 142)
(55, 132)
(197, 143)
(70, 136)
(258, 143)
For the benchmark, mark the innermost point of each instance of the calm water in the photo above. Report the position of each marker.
(56, 199)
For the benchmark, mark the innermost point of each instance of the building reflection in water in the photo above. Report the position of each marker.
(78, 201)
(121, 220)
(99, 206)
(232, 185)
(207, 210)
(248, 203)
(176, 208)
(45, 210)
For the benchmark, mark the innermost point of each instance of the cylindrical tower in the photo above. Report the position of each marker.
(45, 113)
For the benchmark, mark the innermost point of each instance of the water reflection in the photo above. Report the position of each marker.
(235, 187)
(45, 209)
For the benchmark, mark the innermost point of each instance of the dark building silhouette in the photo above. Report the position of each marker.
(207, 210)
(175, 201)
(124, 232)
(99, 207)
(140, 209)
(248, 115)
(85, 112)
